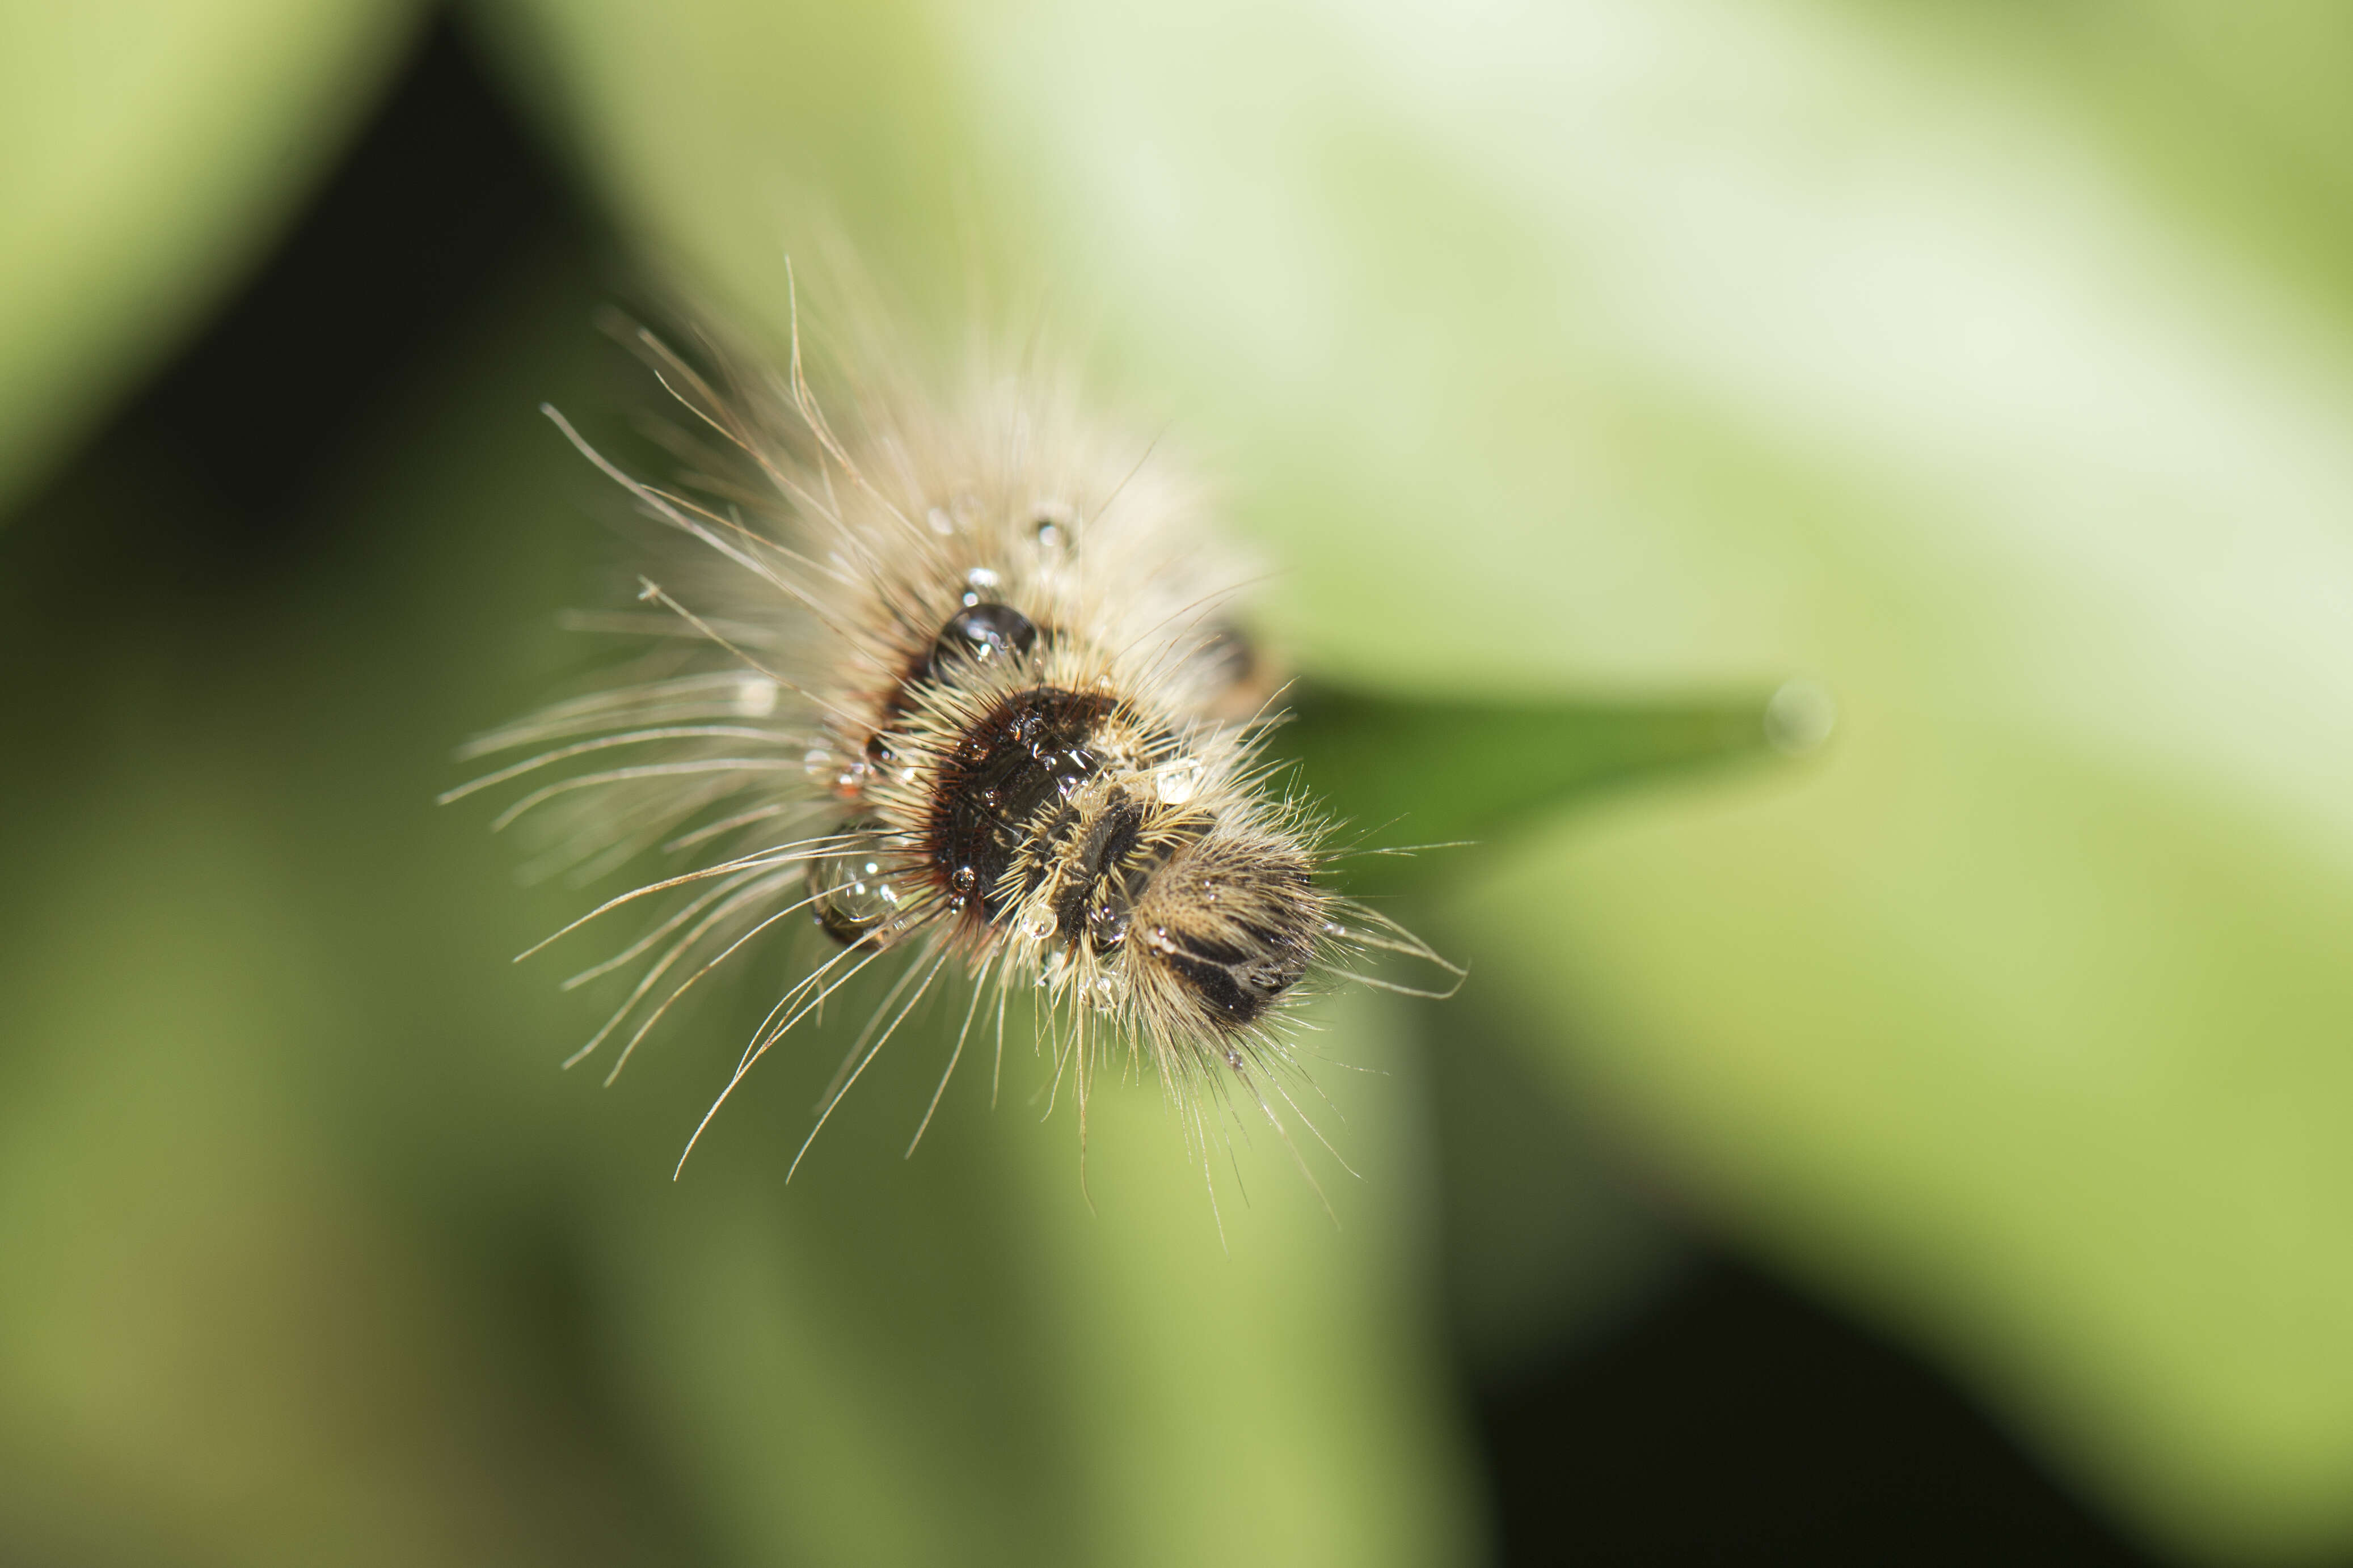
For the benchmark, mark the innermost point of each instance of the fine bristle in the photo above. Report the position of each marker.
(965, 682)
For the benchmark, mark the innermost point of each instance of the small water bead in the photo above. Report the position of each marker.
(1055, 526)
(989, 635)
(861, 889)
(1800, 717)
(980, 586)
(1178, 782)
(1225, 659)
(755, 696)
(1107, 923)
(854, 774)
(942, 523)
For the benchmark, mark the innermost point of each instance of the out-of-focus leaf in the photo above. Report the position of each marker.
(154, 147)
(1686, 343)
(1403, 772)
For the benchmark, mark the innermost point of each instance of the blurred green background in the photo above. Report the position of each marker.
(1591, 368)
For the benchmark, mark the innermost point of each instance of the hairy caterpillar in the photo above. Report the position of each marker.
(958, 680)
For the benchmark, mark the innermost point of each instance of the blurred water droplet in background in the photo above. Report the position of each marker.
(1800, 717)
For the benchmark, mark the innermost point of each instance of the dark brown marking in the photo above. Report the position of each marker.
(1109, 843)
(1239, 973)
(1029, 754)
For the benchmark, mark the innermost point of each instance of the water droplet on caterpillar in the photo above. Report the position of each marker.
(1178, 782)
(1055, 526)
(862, 888)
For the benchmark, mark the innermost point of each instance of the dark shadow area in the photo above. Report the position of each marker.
(442, 192)
(1737, 1422)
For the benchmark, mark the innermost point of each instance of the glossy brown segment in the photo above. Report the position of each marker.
(1019, 765)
